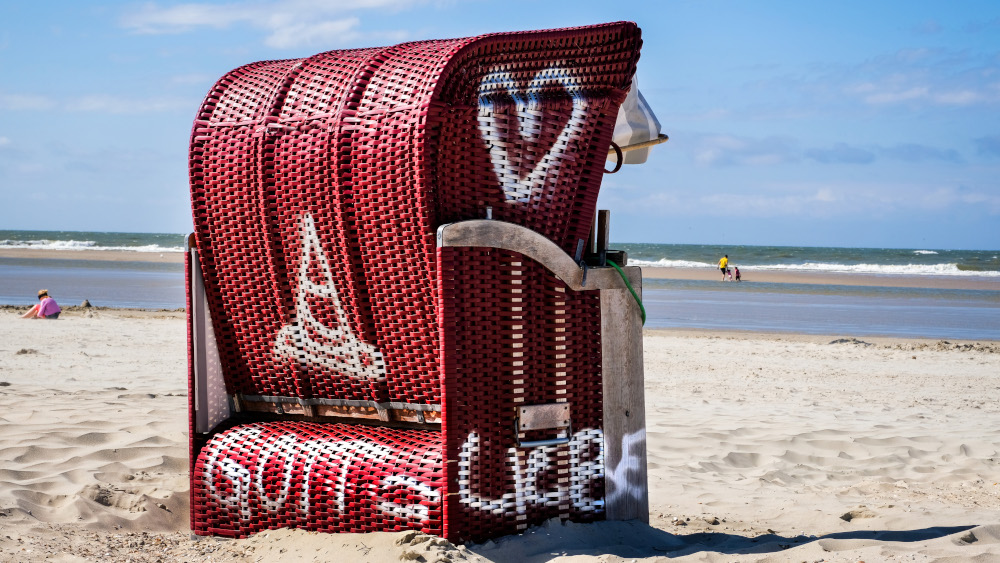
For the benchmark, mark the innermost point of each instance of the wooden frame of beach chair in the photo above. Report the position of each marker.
(366, 352)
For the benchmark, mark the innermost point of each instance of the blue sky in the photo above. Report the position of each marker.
(792, 123)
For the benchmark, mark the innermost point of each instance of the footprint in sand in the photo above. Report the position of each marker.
(860, 512)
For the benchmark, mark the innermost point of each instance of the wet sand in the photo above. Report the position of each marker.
(876, 280)
(95, 255)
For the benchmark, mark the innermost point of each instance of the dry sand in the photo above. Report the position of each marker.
(761, 448)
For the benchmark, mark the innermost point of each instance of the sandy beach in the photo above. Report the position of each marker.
(761, 448)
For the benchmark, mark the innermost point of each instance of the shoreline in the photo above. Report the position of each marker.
(972, 282)
(649, 272)
(82, 311)
(92, 255)
(76, 311)
(828, 278)
(894, 341)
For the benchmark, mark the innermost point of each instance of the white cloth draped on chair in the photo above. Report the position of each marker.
(636, 123)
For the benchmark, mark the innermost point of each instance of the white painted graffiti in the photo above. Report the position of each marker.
(622, 479)
(500, 130)
(232, 485)
(417, 512)
(586, 468)
(310, 342)
(283, 476)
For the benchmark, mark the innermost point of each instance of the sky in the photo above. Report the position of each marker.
(852, 123)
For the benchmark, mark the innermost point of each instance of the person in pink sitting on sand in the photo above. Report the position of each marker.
(47, 308)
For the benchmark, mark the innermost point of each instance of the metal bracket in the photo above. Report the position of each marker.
(542, 417)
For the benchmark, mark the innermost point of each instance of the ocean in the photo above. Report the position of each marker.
(898, 261)
(813, 308)
(108, 283)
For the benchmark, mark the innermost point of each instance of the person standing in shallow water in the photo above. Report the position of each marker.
(46, 308)
(722, 266)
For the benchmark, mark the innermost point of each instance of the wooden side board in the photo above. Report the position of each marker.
(210, 402)
(626, 484)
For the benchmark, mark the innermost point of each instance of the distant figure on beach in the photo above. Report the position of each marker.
(46, 308)
(737, 268)
(729, 272)
(722, 266)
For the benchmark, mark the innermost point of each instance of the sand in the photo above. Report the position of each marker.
(761, 448)
(94, 255)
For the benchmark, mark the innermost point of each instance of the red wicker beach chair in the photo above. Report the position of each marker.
(390, 324)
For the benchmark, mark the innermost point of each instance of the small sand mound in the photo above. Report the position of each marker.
(113, 497)
(853, 341)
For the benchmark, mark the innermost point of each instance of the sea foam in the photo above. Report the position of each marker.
(883, 269)
(83, 245)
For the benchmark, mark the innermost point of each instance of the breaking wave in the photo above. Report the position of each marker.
(883, 269)
(45, 244)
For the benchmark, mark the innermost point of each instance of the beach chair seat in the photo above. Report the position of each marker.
(318, 477)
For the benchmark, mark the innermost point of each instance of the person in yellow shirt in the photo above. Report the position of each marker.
(722, 266)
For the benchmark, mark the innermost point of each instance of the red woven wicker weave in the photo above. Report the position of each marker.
(326, 477)
(317, 187)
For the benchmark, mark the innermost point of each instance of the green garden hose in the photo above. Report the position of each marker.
(629, 286)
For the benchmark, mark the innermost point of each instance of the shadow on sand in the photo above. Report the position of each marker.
(637, 540)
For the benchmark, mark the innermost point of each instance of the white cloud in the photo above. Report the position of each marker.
(288, 24)
(948, 197)
(874, 95)
(306, 33)
(959, 98)
(925, 77)
(729, 150)
(892, 96)
(841, 153)
(117, 105)
(767, 205)
(825, 195)
(193, 79)
(928, 27)
(821, 200)
(4, 142)
(93, 103)
(21, 102)
(737, 201)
